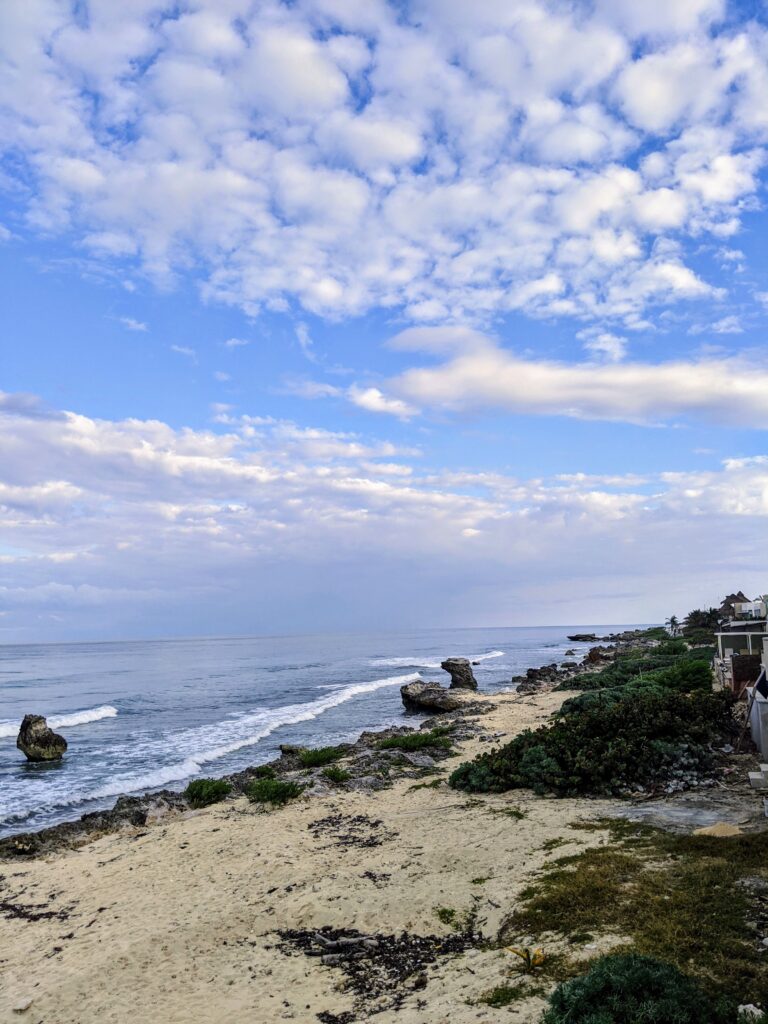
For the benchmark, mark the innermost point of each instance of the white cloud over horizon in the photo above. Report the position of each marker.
(106, 520)
(458, 162)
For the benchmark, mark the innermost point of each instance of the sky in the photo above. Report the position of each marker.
(335, 316)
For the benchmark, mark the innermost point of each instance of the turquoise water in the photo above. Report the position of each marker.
(149, 714)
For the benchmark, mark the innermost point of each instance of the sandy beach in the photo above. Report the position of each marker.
(178, 921)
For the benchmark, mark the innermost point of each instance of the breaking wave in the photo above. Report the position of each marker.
(201, 745)
(10, 728)
(404, 662)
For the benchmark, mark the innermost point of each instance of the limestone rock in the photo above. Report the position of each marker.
(462, 676)
(429, 697)
(39, 742)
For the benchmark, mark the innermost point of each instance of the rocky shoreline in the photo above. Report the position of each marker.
(370, 767)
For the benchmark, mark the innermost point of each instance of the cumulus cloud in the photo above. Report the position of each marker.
(111, 524)
(458, 163)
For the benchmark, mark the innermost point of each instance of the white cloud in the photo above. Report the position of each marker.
(185, 350)
(455, 161)
(722, 390)
(235, 343)
(373, 400)
(221, 376)
(119, 524)
(131, 324)
(607, 346)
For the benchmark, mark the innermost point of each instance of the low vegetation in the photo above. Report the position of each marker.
(627, 987)
(685, 900)
(336, 775)
(264, 771)
(607, 748)
(413, 741)
(273, 791)
(203, 792)
(317, 757)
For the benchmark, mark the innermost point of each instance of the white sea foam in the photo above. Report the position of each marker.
(10, 728)
(204, 744)
(416, 660)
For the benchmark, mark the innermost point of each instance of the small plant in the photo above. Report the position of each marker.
(273, 791)
(463, 923)
(434, 784)
(264, 771)
(479, 881)
(447, 915)
(504, 995)
(319, 756)
(628, 987)
(338, 776)
(413, 741)
(203, 792)
(530, 960)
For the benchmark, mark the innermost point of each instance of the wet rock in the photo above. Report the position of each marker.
(38, 741)
(584, 638)
(462, 676)
(429, 697)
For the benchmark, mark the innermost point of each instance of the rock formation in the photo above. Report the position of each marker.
(39, 742)
(462, 676)
(429, 697)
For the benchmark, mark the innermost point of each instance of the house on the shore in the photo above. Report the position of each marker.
(741, 642)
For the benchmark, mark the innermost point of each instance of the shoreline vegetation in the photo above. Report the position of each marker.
(584, 847)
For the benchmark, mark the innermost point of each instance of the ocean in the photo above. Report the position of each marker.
(141, 715)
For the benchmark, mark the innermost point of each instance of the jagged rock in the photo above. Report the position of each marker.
(462, 676)
(429, 697)
(570, 653)
(585, 638)
(39, 742)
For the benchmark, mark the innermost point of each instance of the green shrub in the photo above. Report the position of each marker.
(418, 740)
(273, 791)
(630, 667)
(319, 756)
(202, 792)
(264, 771)
(336, 775)
(606, 748)
(683, 677)
(625, 987)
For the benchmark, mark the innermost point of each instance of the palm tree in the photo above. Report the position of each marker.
(673, 625)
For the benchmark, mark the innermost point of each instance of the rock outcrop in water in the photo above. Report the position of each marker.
(462, 676)
(38, 741)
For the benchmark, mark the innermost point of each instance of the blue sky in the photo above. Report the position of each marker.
(326, 316)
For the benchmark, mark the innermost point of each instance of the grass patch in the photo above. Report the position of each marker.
(684, 900)
(273, 791)
(505, 995)
(413, 741)
(264, 771)
(509, 812)
(459, 921)
(317, 757)
(203, 792)
(434, 784)
(338, 776)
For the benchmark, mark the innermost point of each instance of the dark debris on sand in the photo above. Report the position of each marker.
(380, 970)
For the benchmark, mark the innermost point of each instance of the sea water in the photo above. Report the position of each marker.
(142, 715)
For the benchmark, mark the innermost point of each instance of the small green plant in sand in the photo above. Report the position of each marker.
(505, 995)
(273, 791)
(264, 771)
(203, 792)
(338, 776)
(434, 784)
(460, 921)
(413, 741)
(318, 756)
(627, 987)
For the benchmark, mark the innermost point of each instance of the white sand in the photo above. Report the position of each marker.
(173, 924)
